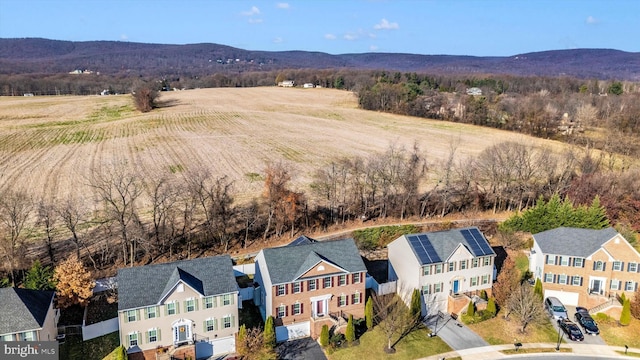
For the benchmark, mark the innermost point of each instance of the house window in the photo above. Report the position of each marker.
(282, 310)
(227, 321)
(548, 277)
(326, 282)
(280, 290)
(8, 337)
(28, 336)
(131, 315)
(629, 286)
(425, 270)
(171, 308)
(210, 324)
(342, 300)
(633, 267)
(599, 265)
(487, 261)
(615, 284)
(356, 278)
(474, 263)
(296, 287)
(227, 299)
(463, 264)
(133, 339)
(485, 279)
(312, 284)
(578, 262)
(342, 280)
(564, 260)
(438, 268)
(295, 309)
(551, 260)
(452, 266)
(577, 280)
(617, 265)
(151, 312)
(190, 305)
(437, 287)
(356, 298)
(474, 281)
(208, 302)
(152, 335)
(562, 279)
(426, 289)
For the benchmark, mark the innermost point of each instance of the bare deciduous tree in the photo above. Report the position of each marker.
(525, 305)
(15, 209)
(394, 318)
(47, 218)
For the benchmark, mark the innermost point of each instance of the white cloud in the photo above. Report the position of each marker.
(373, 47)
(255, 21)
(283, 5)
(591, 20)
(386, 25)
(254, 11)
(278, 40)
(124, 37)
(329, 36)
(350, 36)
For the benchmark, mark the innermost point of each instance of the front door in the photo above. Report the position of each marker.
(182, 333)
(320, 308)
(455, 286)
(596, 286)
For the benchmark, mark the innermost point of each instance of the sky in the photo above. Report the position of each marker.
(437, 27)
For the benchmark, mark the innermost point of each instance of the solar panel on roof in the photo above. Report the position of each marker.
(482, 242)
(473, 243)
(424, 249)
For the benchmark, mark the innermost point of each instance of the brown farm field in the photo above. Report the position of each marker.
(50, 145)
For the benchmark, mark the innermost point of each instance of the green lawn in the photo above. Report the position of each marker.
(522, 262)
(416, 345)
(616, 335)
(94, 349)
(500, 331)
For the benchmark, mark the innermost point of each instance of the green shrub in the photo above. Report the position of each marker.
(625, 316)
(269, 334)
(374, 238)
(336, 340)
(324, 336)
(471, 309)
(350, 333)
(491, 307)
(368, 313)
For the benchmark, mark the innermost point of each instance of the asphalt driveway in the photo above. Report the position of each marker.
(588, 339)
(454, 333)
(306, 348)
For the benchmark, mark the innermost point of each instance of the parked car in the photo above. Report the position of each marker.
(585, 320)
(555, 308)
(570, 329)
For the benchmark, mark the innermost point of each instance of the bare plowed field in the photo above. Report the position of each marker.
(50, 145)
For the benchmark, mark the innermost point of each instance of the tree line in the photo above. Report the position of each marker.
(184, 213)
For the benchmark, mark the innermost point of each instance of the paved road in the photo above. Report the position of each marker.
(455, 334)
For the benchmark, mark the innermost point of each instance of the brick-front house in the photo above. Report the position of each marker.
(307, 284)
(179, 303)
(584, 267)
(446, 266)
(28, 315)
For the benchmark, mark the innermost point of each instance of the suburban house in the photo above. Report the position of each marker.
(28, 315)
(584, 267)
(448, 267)
(309, 283)
(190, 302)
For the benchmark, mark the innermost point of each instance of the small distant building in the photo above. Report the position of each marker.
(105, 92)
(474, 91)
(308, 86)
(28, 94)
(287, 83)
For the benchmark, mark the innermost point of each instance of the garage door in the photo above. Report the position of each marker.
(293, 331)
(567, 298)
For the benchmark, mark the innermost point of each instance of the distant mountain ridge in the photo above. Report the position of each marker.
(44, 56)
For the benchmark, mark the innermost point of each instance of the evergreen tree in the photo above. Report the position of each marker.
(491, 307)
(368, 313)
(471, 309)
(39, 277)
(324, 336)
(240, 340)
(121, 353)
(416, 304)
(537, 289)
(596, 215)
(483, 294)
(350, 332)
(625, 316)
(269, 333)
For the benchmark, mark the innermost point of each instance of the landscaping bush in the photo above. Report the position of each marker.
(324, 336)
(375, 238)
(336, 340)
(625, 316)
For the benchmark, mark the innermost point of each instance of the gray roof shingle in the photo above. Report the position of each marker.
(287, 263)
(445, 242)
(573, 241)
(23, 309)
(148, 285)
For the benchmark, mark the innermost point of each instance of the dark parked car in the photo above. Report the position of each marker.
(586, 321)
(571, 329)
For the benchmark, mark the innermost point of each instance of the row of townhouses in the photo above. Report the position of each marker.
(307, 284)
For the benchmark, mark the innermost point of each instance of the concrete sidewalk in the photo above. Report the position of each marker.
(493, 351)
